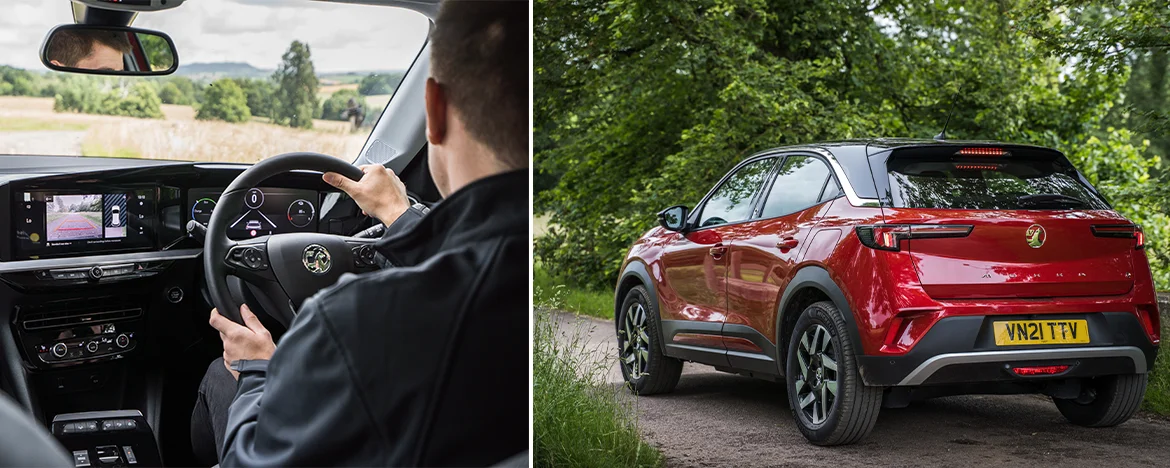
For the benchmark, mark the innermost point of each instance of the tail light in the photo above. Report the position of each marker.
(1039, 370)
(982, 151)
(889, 236)
(1124, 231)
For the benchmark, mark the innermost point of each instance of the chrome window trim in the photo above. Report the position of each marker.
(934, 364)
(838, 171)
(99, 260)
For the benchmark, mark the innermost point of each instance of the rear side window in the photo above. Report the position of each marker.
(798, 185)
(1020, 180)
(732, 201)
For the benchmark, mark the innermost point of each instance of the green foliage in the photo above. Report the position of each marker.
(295, 102)
(95, 95)
(170, 94)
(333, 108)
(552, 292)
(259, 93)
(224, 100)
(643, 104)
(17, 82)
(379, 83)
(578, 420)
(158, 52)
(1158, 391)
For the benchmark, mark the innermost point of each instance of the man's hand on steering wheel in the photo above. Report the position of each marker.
(250, 341)
(379, 193)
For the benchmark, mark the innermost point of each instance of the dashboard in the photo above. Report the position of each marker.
(145, 206)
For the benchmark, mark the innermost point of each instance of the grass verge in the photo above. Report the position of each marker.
(34, 125)
(94, 149)
(579, 420)
(1158, 392)
(553, 292)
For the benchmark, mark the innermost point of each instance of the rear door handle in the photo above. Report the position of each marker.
(787, 243)
(717, 251)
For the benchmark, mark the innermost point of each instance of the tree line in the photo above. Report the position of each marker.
(643, 104)
(288, 97)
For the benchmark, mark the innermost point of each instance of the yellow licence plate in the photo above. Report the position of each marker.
(1036, 332)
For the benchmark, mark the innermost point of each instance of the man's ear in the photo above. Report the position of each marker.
(436, 112)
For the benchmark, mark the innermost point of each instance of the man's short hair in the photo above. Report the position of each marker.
(69, 46)
(479, 53)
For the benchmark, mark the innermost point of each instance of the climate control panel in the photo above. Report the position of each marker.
(55, 335)
(108, 343)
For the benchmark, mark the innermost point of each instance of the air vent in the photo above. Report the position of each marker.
(70, 318)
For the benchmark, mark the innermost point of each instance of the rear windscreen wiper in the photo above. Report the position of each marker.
(1050, 198)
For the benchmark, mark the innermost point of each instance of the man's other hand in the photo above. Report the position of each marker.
(379, 193)
(242, 342)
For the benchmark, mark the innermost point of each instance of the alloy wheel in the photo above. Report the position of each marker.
(816, 386)
(635, 341)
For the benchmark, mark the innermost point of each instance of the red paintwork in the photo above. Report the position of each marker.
(896, 297)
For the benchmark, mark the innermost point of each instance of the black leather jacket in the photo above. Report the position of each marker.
(423, 363)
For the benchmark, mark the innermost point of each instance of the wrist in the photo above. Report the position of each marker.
(392, 212)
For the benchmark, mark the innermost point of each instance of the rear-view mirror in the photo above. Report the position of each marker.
(673, 218)
(109, 50)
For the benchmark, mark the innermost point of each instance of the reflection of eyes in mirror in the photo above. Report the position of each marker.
(114, 51)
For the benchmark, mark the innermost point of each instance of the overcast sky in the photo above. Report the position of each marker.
(342, 37)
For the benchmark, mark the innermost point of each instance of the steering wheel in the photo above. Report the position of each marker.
(284, 268)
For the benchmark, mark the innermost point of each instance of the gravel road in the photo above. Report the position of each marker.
(65, 143)
(718, 419)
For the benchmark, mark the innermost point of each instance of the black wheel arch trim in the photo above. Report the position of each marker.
(635, 269)
(814, 276)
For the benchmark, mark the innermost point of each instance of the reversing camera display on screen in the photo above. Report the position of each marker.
(73, 217)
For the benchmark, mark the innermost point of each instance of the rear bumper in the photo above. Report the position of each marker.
(963, 350)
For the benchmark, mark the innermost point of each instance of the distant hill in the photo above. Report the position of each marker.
(215, 70)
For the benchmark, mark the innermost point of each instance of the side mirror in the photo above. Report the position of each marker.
(673, 218)
(109, 50)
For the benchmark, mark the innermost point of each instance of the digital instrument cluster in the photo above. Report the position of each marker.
(265, 211)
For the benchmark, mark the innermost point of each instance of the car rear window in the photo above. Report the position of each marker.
(1018, 180)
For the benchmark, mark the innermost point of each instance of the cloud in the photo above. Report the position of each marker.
(343, 37)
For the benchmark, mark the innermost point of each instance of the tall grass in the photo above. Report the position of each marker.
(553, 292)
(579, 420)
(1158, 392)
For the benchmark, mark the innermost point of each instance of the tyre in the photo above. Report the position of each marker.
(830, 403)
(646, 370)
(1105, 401)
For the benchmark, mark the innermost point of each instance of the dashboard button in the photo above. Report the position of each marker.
(92, 346)
(122, 341)
(96, 272)
(175, 295)
(60, 350)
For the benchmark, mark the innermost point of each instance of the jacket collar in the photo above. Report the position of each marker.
(494, 206)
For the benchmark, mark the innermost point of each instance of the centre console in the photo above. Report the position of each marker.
(107, 438)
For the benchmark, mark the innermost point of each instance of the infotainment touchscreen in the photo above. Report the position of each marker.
(57, 223)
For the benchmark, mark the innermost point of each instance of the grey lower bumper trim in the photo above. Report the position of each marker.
(932, 365)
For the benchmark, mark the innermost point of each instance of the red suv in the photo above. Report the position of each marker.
(872, 273)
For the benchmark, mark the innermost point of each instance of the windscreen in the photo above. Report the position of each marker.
(1020, 180)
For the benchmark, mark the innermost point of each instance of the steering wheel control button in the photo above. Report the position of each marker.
(60, 350)
(175, 295)
(122, 341)
(254, 198)
(248, 257)
(363, 255)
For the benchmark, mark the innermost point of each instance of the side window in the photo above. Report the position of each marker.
(732, 201)
(832, 190)
(798, 185)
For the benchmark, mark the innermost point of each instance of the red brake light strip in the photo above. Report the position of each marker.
(983, 151)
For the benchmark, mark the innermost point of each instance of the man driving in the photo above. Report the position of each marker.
(424, 362)
(88, 50)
